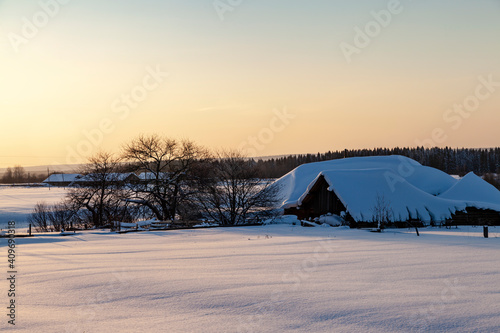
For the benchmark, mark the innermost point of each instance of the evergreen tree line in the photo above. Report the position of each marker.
(455, 161)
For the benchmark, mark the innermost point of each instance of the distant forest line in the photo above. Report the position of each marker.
(455, 161)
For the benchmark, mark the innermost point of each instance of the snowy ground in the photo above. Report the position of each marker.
(275, 278)
(16, 203)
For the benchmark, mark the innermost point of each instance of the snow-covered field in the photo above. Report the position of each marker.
(16, 203)
(274, 278)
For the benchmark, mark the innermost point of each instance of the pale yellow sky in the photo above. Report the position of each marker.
(269, 77)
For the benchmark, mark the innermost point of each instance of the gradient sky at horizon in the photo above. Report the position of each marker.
(228, 78)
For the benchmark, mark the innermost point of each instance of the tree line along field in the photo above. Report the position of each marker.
(187, 182)
(455, 161)
(180, 181)
(18, 175)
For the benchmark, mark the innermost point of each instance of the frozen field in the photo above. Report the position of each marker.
(277, 278)
(16, 203)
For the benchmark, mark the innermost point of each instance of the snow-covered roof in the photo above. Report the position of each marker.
(62, 178)
(430, 180)
(410, 188)
(109, 177)
(152, 175)
(475, 191)
(358, 191)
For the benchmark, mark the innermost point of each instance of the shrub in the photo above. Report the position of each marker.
(40, 216)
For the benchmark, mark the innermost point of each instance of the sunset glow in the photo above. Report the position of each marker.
(271, 78)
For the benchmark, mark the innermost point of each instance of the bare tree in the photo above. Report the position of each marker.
(14, 175)
(166, 165)
(8, 176)
(100, 195)
(18, 174)
(382, 212)
(61, 216)
(231, 194)
(39, 217)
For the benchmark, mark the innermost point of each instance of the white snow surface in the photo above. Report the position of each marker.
(410, 189)
(274, 278)
(17, 202)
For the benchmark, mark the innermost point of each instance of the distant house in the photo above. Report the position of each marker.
(147, 177)
(62, 179)
(111, 178)
(354, 187)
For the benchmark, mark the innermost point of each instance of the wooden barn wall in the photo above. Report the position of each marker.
(318, 202)
(475, 216)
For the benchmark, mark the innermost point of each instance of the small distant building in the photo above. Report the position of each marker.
(148, 177)
(62, 179)
(111, 178)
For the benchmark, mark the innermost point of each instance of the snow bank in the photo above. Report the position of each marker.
(330, 219)
(205, 224)
(284, 219)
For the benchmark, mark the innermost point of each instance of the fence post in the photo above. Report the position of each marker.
(29, 229)
(485, 231)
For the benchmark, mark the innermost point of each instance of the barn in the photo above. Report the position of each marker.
(360, 188)
(62, 179)
(149, 177)
(111, 178)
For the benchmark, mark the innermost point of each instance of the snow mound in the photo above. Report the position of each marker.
(205, 225)
(330, 220)
(284, 219)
